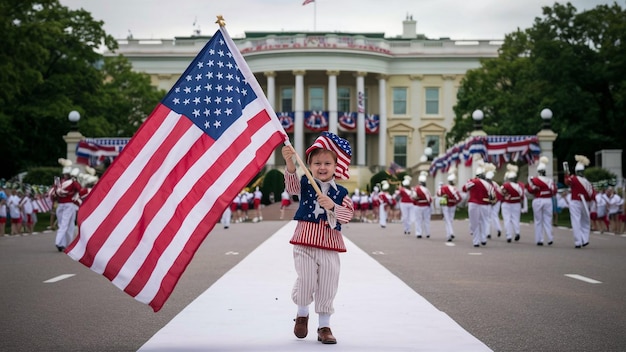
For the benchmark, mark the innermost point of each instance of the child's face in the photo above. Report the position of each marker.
(323, 166)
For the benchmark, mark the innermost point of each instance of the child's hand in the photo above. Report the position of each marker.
(288, 152)
(326, 202)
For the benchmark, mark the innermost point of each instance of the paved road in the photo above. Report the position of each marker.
(512, 297)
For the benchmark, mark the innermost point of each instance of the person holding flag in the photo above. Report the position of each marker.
(317, 239)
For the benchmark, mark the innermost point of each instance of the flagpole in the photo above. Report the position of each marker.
(314, 16)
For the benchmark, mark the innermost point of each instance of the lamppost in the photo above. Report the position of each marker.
(73, 136)
(546, 116)
(74, 116)
(478, 116)
(546, 139)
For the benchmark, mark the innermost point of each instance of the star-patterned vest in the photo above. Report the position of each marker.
(309, 209)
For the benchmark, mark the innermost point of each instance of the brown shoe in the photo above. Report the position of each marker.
(325, 336)
(301, 329)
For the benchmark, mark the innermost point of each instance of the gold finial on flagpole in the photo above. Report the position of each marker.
(220, 21)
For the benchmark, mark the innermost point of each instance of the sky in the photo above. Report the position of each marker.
(456, 19)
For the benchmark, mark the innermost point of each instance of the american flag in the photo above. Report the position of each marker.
(340, 146)
(212, 133)
(307, 2)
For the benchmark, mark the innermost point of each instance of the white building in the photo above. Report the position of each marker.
(390, 97)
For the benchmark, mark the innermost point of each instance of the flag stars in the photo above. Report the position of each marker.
(198, 77)
(218, 112)
(229, 89)
(219, 88)
(208, 87)
(217, 124)
(207, 100)
(228, 111)
(207, 112)
(187, 90)
(200, 64)
(197, 89)
(197, 100)
(220, 64)
(176, 101)
(207, 124)
(188, 78)
(229, 76)
(228, 100)
(218, 100)
(220, 53)
(220, 75)
(196, 112)
(186, 102)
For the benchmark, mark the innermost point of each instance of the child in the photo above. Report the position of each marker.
(317, 238)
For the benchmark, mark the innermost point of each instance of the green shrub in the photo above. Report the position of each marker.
(273, 182)
(41, 175)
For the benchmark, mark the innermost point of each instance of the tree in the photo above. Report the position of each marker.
(51, 64)
(572, 63)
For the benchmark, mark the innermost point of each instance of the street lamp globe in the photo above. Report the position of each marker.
(478, 116)
(74, 116)
(546, 116)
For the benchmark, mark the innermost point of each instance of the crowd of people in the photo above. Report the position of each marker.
(496, 209)
(20, 204)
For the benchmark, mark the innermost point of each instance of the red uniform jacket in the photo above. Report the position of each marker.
(513, 192)
(423, 197)
(581, 187)
(480, 191)
(541, 187)
(451, 193)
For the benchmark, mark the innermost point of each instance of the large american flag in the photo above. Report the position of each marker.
(212, 133)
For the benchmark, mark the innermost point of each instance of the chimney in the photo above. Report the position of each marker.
(409, 28)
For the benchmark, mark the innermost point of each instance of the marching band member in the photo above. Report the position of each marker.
(494, 219)
(481, 196)
(582, 194)
(422, 206)
(543, 189)
(67, 192)
(513, 203)
(406, 204)
(384, 200)
(450, 197)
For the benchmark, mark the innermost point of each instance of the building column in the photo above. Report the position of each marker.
(382, 131)
(546, 140)
(271, 98)
(448, 100)
(298, 128)
(360, 120)
(332, 101)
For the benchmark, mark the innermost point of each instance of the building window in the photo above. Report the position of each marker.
(343, 99)
(399, 150)
(399, 100)
(432, 101)
(432, 142)
(286, 99)
(316, 98)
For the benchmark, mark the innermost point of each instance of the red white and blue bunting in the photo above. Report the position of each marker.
(95, 151)
(494, 149)
(317, 121)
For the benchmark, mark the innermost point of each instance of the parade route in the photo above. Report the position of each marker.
(250, 309)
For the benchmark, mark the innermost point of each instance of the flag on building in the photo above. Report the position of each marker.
(394, 168)
(210, 135)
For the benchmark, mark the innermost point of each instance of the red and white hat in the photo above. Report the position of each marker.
(340, 146)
